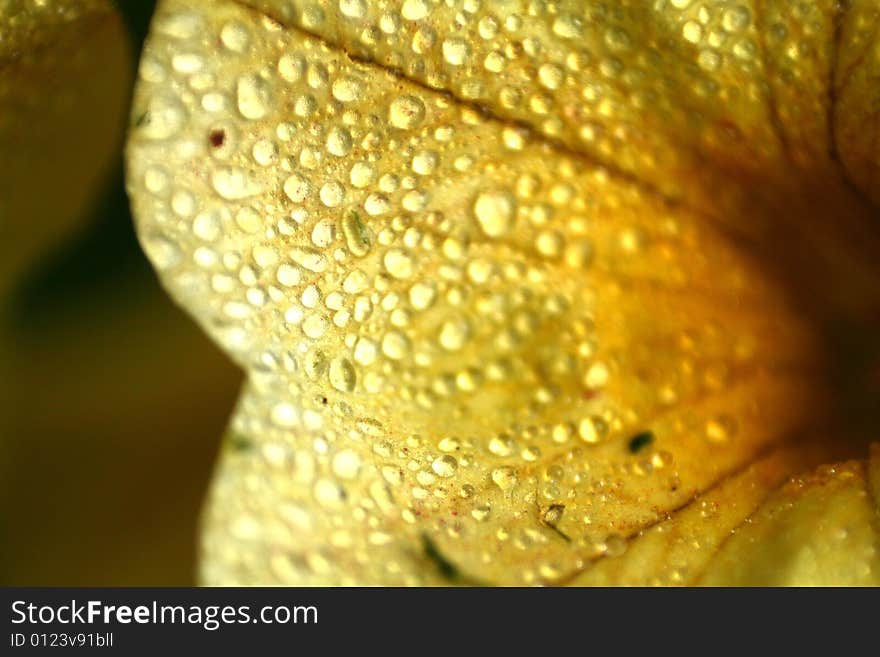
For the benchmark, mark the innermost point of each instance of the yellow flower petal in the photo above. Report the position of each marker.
(678, 550)
(819, 529)
(63, 94)
(855, 120)
(488, 341)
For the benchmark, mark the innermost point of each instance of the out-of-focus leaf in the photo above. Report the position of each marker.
(65, 73)
(485, 271)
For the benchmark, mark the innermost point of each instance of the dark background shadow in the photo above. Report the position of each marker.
(117, 408)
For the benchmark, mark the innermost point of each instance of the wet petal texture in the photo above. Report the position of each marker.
(483, 274)
(742, 109)
(855, 117)
(63, 93)
(820, 529)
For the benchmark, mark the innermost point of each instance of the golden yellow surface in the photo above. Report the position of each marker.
(527, 293)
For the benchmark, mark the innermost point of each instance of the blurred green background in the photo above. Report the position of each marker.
(114, 409)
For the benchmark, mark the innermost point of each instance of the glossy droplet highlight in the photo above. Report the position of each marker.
(406, 112)
(494, 212)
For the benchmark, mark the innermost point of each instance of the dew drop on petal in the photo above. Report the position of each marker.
(494, 212)
(297, 188)
(406, 112)
(398, 263)
(444, 466)
(342, 375)
(253, 97)
(504, 477)
(346, 464)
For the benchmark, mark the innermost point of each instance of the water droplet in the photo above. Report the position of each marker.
(719, 430)
(592, 429)
(297, 188)
(692, 31)
(284, 415)
(206, 225)
(253, 97)
(406, 112)
(578, 254)
(597, 376)
(398, 263)
(356, 9)
(455, 51)
(323, 234)
(567, 26)
(180, 25)
(346, 89)
(377, 204)
(414, 10)
(709, 60)
(314, 326)
(395, 345)
(329, 494)
(494, 62)
(495, 212)
(234, 184)
(339, 142)
(165, 116)
(332, 194)
(288, 275)
(448, 444)
(365, 351)
(187, 63)
(454, 333)
(305, 105)
(248, 219)
(481, 513)
(235, 37)
(422, 295)
(362, 174)
(342, 375)
(346, 464)
(736, 19)
(265, 152)
(550, 76)
(445, 465)
(549, 243)
(424, 163)
(291, 67)
(501, 445)
(504, 477)
(562, 432)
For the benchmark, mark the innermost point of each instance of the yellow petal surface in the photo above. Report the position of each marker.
(484, 277)
(64, 80)
(677, 551)
(856, 117)
(726, 106)
(818, 529)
